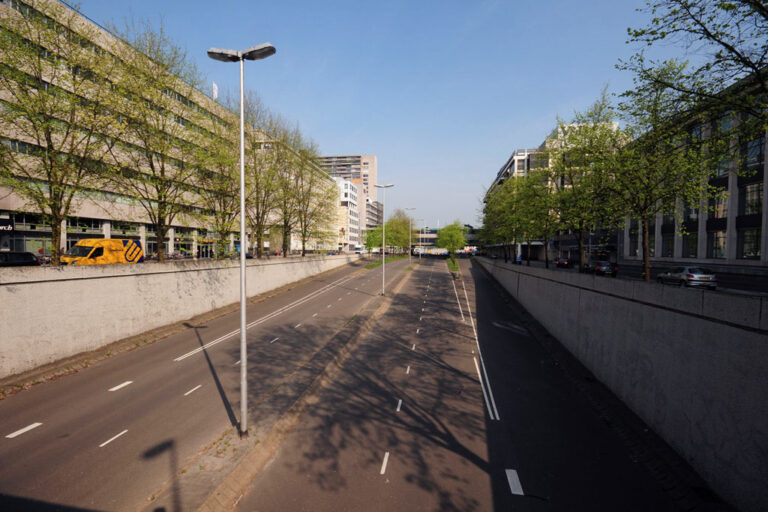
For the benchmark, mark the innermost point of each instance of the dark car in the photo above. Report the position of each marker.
(18, 259)
(561, 261)
(689, 276)
(605, 268)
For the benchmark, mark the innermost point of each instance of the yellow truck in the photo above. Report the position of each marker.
(103, 251)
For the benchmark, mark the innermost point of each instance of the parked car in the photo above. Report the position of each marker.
(605, 268)
(18, 259)
(689, 276)
(561, 261)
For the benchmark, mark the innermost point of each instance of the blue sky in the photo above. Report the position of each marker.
(441, 91)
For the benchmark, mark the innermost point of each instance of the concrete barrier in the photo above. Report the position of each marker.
(51, 313)
(692, 364)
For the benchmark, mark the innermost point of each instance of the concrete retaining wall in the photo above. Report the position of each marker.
(50, 313)
(693, 364)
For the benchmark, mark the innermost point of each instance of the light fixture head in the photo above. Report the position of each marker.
(223, 54)
(259, 52)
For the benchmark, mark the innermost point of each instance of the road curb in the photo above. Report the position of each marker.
(234, 485)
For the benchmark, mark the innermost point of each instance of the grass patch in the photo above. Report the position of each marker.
(377, 263)
(453, 266)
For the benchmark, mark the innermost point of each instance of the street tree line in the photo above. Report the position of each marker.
(86, 117)
(661, 146)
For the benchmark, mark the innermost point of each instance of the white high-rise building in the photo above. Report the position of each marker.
(362, 171)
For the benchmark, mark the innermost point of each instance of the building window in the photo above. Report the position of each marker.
(716, 244)
(691, 213)
(667, 245)
(719, 206)
(748, 244)
(754, 154)
(751, 199)
(633, 238)
(690, 245)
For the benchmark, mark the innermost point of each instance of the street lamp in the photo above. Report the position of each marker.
(383, 230)
(259, 52)
(410, 230)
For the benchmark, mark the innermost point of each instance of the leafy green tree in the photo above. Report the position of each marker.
(451, 237)
(266, 156)
(156, 154)
(217, 160)
(664, 164)
(535, 203)
(53, 111)
(730, 41)
(580, 156)
(398, 226)
(373, 238)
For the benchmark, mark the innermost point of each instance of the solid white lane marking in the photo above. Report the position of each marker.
(23, 430)
(263, 319)
(274, 340)
(297, 325)
(120, 386)
(485, 381)
(514, 482)
(193, 389)
(408, 370)
(399, 404)
(413, 347)
(105, 443)
(457, 299)
(384, 464)
(482, 387)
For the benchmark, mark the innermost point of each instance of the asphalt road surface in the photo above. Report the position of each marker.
(112, 435)
(449, 404)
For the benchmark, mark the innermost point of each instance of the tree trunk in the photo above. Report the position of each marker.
(546, 253)
(286, 239)
(582, 253)
(162, 231)
(56, 239)
(528, 254)
(259, 236)
(505, 250)
(646, 251)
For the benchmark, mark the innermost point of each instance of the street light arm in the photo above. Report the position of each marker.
(224, 54)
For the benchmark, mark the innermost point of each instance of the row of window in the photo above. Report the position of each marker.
(748, 244)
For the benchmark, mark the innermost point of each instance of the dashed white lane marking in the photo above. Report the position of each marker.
(274, 340)
(408, 370)
(23, 430)
(339, 298)
(329, 305)
(349, 293)
(297, 325)
(514, 482)
(313, 316)
(384, 464)
(419, 319)
(417, 330)
(120, 386)
(413, 347)
(105, 443)
(399, 405)
(193, 389)
(422, 310)
(237, 363)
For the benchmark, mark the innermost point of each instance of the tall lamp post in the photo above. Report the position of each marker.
(383, 230)
(410, 231)
(259, 52)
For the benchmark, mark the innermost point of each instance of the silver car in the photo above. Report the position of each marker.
(689, 276)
